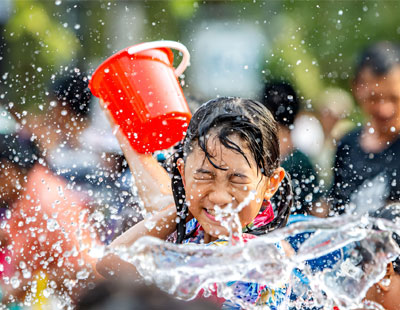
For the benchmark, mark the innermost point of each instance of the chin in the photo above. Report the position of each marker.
(217, 233)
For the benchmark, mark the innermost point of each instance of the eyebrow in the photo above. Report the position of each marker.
(202, 170)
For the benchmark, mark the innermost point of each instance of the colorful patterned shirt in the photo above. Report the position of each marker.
(252, 293)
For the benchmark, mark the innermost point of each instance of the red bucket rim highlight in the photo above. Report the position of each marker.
(122, 53)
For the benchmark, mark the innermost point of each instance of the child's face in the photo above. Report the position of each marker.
(207, 186)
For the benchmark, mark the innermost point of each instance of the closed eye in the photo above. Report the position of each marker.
(239, 178)
(202, 174)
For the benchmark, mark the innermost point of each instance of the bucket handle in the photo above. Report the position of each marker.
(159, 44)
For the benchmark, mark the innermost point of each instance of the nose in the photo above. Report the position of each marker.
(220, 196)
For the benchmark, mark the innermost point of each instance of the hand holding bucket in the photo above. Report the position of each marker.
(140, 89)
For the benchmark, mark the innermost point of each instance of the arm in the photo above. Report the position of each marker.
(336, 195)
(154, 187)
(152, 181)
(162, 225)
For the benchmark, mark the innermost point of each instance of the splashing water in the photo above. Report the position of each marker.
(365, 246)
(229, 218)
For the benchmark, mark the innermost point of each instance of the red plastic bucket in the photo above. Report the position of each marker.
(139, 87)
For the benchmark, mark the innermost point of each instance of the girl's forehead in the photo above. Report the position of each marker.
(221, 155)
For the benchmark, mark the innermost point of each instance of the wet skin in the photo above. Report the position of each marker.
(386, 294)
(207, 186)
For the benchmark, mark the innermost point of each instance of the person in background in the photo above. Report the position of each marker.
(67, 117)
(88, 158)
(333, 107)
(367, 166)
(281, 99)
(45, 231)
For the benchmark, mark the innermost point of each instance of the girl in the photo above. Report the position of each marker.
(230, 151)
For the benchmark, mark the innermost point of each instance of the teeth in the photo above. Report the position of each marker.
(211, 212)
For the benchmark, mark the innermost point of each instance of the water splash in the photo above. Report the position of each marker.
(365, 244)
(228, 216)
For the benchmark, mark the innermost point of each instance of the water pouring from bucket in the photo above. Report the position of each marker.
(140, 89)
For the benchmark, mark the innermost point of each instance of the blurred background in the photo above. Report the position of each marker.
(235, 45)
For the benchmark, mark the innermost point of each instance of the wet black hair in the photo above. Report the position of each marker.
(391, 212)
(380, 57)
(72, 88)
(252, 122)
(281, 99)
(19, 150)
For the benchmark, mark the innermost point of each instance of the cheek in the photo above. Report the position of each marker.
(248, 214)
(194, 191)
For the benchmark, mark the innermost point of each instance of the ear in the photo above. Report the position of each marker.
(273, 182)
(180, 164)
(389, 273)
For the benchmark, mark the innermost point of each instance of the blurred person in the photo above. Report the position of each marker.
(366, 170)
(88, 158)
(281, 99)
(66, 119)
(127, 296)
(45, 229)
(333, 106)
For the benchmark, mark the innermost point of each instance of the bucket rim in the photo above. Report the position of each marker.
(102, 66)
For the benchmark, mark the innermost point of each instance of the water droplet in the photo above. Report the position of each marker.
(98, 216)
(150, 224)
(82, 274)
(26, 274)
(385, 282)
(15, 282)
(52, 225)
(47, 292)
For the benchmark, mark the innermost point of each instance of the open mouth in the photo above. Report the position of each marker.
(210, 214)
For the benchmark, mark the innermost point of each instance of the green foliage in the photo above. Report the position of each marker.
(311, 43)
(183, 8)
(37, 43)
(56, 44)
